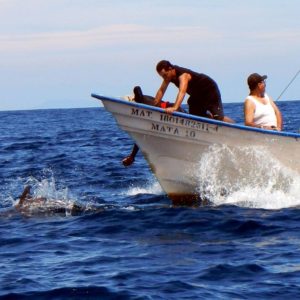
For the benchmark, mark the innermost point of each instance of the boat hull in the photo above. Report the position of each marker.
(174, 144)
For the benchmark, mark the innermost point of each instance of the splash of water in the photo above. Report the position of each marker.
(152, 187)
(47, 188)
(248, 177)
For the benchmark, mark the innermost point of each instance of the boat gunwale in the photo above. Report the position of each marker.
(198, 118)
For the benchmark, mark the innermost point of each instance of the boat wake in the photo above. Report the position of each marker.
(247, 177)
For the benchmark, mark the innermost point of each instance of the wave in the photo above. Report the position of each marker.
(248, 177)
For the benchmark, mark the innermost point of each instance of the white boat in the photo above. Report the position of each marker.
(174, 144)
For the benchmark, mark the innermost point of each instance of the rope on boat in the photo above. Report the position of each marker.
(288, 85)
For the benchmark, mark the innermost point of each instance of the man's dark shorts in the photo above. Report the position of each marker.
(209, 105)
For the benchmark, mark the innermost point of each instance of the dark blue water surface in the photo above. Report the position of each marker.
(128, 241)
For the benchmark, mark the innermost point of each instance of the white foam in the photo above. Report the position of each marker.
(152, 187)
(247, 177)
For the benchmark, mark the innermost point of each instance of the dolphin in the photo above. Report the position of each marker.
(30, 205)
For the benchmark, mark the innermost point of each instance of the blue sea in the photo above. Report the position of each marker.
(128, 241)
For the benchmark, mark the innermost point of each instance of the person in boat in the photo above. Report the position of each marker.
(205, 97)
(259, 109)
(139, 97)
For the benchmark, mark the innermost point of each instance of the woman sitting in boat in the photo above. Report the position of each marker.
(259, 109)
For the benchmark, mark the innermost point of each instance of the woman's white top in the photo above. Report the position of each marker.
(264, 114)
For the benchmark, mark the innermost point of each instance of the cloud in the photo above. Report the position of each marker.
(103, 36)
(132, 34)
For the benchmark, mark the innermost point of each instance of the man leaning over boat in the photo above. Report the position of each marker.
(205, 97)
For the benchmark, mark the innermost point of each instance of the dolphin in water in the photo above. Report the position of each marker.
(30, 205)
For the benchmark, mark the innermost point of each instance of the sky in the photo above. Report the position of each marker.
(55, 53)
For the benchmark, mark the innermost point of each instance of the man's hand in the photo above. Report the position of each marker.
(270, 128)
(127, 161)
(156, 103)
(170, 110)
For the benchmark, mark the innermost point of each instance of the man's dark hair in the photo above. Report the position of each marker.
(163, 64)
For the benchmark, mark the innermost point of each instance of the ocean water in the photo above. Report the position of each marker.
(127, 241)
